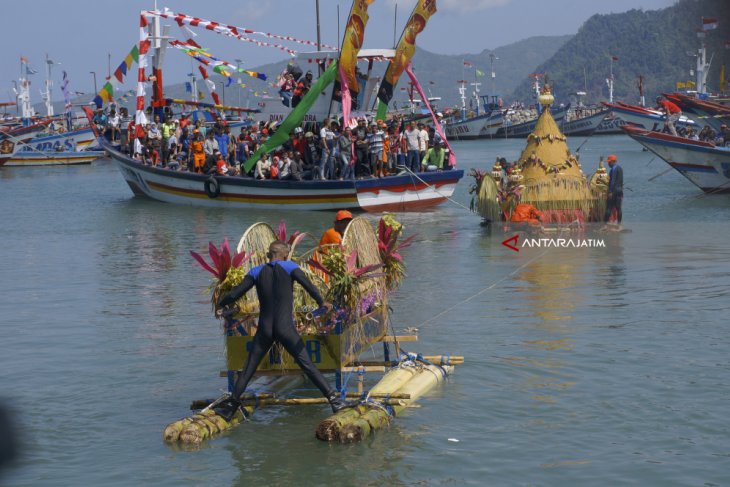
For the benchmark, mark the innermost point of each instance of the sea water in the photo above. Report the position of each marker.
(584, 366)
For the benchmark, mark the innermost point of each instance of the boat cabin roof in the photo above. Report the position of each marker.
(363, 54)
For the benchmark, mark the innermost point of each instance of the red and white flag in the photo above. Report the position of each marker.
(709, 23)
(467, 64)
(727, 44)
(614, 58)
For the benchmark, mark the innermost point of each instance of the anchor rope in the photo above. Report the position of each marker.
(485, 289)
(435, 189)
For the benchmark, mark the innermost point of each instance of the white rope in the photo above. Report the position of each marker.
(436, 189)
(491, 286)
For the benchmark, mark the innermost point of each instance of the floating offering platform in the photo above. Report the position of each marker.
(357, 277)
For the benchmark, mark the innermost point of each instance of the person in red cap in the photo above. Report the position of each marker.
(333, 235)
(615, 189)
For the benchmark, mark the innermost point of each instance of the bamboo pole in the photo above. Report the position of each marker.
(198, 404)
(200, 426)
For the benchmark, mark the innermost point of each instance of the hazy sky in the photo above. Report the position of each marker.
(80, 33)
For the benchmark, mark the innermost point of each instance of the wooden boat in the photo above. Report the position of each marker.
(702, 163)
(583, 121)
(58, 149)
(60, 158)
(392, 193)
(705, 111)
(644, 118)
(523, 129)
(481, 127)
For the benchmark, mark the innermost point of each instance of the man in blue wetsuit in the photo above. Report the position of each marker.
(274, 283)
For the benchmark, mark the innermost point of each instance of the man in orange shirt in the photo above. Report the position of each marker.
(333, 235)
(671, 111)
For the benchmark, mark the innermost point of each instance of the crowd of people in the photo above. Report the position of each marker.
(328, 151)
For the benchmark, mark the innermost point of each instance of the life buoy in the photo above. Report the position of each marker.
(212, 187)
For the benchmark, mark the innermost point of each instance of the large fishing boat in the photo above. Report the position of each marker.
(408, 191)
(702, 163)
(405, 191)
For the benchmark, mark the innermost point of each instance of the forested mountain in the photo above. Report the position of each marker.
(654, 44)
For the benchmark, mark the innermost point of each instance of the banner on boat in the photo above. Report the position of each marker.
(351, 44)
(423, 11)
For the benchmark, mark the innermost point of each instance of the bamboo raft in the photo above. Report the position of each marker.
(334, 347)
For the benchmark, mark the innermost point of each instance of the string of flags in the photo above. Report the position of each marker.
(240, 33)
(106, 94)
(218, 65)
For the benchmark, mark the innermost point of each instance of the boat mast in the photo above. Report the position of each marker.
(462, 92)
(642, 101)
(26, 110)
(703, 69)
(492, 58)
(536, 85)
(49, 87)
(609, 81)
(476, 86)
(159, 37)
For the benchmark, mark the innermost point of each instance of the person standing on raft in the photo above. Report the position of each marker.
(615, 189)
(274, 283)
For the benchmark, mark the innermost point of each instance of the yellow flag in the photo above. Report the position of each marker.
(423, 11)
(352, 41)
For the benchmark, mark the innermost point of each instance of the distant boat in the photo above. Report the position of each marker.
(702, 163)
(584, 120)
(645, 118)
(707, 112)
(481, 127)
(62, 158)
(50, 149)
(523, 129)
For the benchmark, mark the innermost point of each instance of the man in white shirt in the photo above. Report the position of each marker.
(327, 143)
(412, 148)
(422, 140)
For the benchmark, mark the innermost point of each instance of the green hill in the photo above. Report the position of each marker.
(650, 43)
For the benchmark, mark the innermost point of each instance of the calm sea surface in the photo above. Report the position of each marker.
(593, 366)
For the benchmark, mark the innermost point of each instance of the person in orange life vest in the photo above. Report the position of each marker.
(221, 168)
(524, 213)
(333, 235)
(671, 111)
